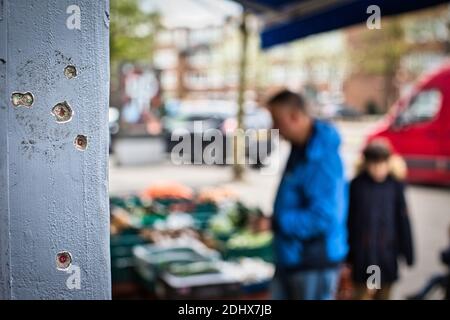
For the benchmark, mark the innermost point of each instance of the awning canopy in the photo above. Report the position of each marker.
(288, 20)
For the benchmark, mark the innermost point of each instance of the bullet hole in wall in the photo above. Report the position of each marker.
(63, 260)
(81, 142)
(62, 112)
(70, 72)
(22, 99)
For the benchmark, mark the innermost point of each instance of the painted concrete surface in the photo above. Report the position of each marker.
(53, 193)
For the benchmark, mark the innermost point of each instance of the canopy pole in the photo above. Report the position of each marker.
(239, 139)
(447, 43)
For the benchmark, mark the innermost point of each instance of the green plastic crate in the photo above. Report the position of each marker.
(122, 245)
(265, 253)
(122, 270)
(122, 262)
(201, 219)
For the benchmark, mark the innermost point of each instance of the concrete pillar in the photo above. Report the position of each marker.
(54, 215)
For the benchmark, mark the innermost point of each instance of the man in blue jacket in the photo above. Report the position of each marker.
(309, 218)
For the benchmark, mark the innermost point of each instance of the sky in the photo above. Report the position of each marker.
(192, 13)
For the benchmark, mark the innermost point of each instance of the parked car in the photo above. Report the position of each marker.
(195, 118)
(340, 111)
(419, 128)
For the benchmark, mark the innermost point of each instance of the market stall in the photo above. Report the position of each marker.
(172, 242)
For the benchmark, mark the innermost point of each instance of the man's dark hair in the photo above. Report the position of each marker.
(289, 99)
(377, 152)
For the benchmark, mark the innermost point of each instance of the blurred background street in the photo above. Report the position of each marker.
(215, 63)
(429, 205)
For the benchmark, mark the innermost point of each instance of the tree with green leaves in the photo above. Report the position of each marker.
(133, 32)
(132, 39)
(379, 53)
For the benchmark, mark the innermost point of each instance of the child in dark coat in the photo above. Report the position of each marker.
(378, 224)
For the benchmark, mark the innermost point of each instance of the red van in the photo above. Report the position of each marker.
(419, 129)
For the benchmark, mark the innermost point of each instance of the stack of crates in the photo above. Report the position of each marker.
(150, 260)
(203, 213)
(263, 252)
(122, 262)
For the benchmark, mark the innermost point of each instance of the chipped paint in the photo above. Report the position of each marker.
(106, 18)
(62, 112)
(63, 260)
(81, 142)
(70, 72)
(19, 99)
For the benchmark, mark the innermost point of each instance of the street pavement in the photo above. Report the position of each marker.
(429, 206)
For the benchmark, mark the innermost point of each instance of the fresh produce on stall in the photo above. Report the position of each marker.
(230, 221)
(250, 240)
(120, 220)
(152, 259)
(199, 280)
(175, 221)
(152, 218)
(259, 223)
(249, 244)
(216, 195)
(222, 225)
(128, 211)
(121, 248)
(168, 190)
(253, 270)
(255, 275)
(193, 268)
(159, 236)
(215, 279)
(162, 240)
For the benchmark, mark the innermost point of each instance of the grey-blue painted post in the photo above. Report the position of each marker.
(54, 187)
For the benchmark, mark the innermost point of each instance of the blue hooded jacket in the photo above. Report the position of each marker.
(310, 210)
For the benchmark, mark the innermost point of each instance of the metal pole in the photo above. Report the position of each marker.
(239, 139)
(447, 43)
(54, 215)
